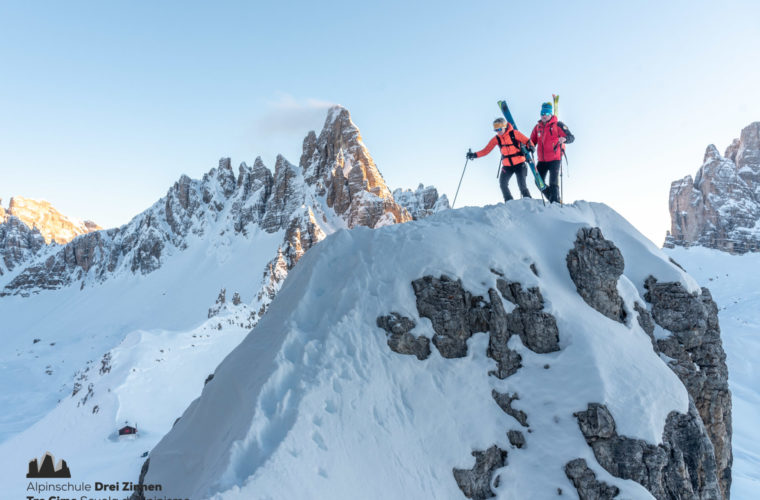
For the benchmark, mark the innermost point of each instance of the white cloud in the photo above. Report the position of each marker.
(287, 115)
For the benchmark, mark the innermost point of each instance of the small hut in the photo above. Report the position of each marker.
(127, 430)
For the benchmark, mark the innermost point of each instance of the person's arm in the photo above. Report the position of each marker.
(522, 138)
(534, 135)
(491, 144)
(565, 132)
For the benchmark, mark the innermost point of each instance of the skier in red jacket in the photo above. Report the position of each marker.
(550, 135)
(512, 159)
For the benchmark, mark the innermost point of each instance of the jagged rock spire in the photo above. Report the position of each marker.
(720, 208)
(338, 165)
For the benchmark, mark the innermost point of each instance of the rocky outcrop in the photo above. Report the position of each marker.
(338, 166)
(698, 358)
(18, 242)
(505, 403)
(720, 208)
(455, 315)
(586, 484)
(595, 264)
(475, 483)
(28, 226)
(537, 329)
(683, 466)
(399, 338)
(516, 438)
(51, 224)
(422, 202)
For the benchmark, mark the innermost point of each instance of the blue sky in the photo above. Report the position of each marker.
(103, 105)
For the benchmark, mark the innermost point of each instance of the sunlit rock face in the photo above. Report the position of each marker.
(28, 226)
(52, 224)
(720, 208)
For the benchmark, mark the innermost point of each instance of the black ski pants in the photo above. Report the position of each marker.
(521, 171)
(553, 168)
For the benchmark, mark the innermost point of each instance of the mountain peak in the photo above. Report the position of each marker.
(720, 208)
(52, 224)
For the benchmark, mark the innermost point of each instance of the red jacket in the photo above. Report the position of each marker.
(546, 136)
(510, 153)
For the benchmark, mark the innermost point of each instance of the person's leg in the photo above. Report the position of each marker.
(554, 167)
(542, 167)
(521, 171)
(504, 177)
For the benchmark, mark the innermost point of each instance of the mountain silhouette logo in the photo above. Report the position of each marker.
(47, 470)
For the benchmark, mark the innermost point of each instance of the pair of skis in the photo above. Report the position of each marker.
(540, 184)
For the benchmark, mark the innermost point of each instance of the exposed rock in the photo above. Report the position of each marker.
(516, 438)
(505, 403)
(52, 224)
(18, 243)
(596, 423)
(447, 305)
(537, 329)
(720, 208)
(683, 466)
(646, 323)
(422, 202)
(475, 483)
(139, 493)
(456, 315)
(699, 361)
(338, 165)
(221, 300)
(585, 482)
(595, 264)
(285, 197)
(509, 361)
(399, 338)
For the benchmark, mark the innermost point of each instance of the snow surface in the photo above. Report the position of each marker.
(313, 403)
(733, 283)
(79, 326)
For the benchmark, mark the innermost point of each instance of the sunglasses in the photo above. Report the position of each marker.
(498, 129)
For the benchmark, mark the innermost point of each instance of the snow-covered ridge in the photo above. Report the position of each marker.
(422, 202)
(553, 343)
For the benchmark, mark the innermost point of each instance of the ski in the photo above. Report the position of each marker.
(555, 98)
(528, 158)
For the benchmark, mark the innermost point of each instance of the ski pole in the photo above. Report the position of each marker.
(462, 177)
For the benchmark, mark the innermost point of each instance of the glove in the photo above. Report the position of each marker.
(531, 148)
(471, 155)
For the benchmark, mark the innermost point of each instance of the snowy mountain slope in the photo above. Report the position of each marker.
(315, 403)
(144, 381)
(733, 282)
(242, 231)
(76, 326)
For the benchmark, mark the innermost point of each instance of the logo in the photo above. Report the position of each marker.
(47, 470)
